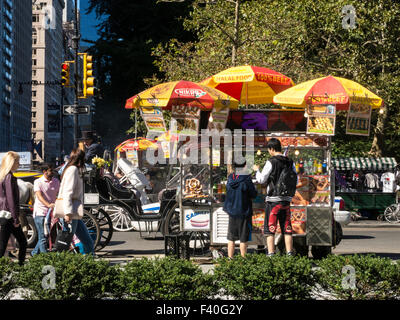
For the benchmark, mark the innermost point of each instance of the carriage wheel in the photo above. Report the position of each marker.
(199, 241)
(106, 226)
(391, 213)
(120, 218)
(93, 227)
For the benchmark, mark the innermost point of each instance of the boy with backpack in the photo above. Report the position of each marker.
(240, 191)
(280, 176)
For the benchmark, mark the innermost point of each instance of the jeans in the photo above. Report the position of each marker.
(79, 229)
(5, 231)
(41, 244)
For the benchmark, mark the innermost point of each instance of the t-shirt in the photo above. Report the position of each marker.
(388, 180)
(49, 190)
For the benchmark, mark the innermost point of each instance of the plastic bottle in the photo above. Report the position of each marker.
(297, 167)
(301, 166)
(319, 169)
(310, 166)
(315, 167)
(324, 167)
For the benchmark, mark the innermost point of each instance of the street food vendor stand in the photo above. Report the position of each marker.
(367, 185)
(311, 207)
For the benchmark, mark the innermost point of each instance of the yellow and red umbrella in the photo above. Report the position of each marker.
(136, 144)
(250, 84)
(327, 90)
(182, 92)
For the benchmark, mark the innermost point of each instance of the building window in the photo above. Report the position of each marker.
(34, 51)
(34, 114)
(33, 125)
(34, 62)
(33, 73)
(35, 18)
(34, 95)
(33, 135)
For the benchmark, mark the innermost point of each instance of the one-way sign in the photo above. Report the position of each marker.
(73, 109)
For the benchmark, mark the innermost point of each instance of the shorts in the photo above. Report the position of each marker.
(274, 212)
(239, 228)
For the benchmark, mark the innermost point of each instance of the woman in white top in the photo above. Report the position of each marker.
(71, 191)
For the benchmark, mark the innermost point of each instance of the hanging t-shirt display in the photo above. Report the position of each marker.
(388, 180)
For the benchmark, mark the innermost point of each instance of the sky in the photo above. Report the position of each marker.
(88, 23)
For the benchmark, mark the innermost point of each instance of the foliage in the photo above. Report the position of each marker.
(303, 39)
(258, 277)
(375, 278)
(167, 278)
(8, 270)
(77, 276)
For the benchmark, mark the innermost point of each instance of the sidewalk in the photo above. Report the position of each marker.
(372, 224)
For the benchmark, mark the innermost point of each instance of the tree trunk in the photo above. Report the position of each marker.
(236, 42)
(377, 148)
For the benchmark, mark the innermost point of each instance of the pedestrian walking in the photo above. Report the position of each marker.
(9, 206)
(71, 191)
(280, 176)
(46, 189)
(240, 191)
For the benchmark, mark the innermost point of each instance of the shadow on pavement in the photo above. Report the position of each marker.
(356, 237)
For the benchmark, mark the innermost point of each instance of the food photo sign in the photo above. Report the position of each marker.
(185, 120)
(153, 119)
(321, 119)
(358, 119)
(196, 219)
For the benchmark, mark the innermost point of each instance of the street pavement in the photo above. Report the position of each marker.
(362, 237)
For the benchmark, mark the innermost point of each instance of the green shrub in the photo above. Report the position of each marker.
(77, 276)
(375, 278)
(167, 278)
(258, 277)
(8, 272)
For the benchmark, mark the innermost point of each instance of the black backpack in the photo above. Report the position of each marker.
(287, 181)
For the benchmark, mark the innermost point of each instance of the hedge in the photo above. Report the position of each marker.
(258, 277)
(254, 277)
(359, 277)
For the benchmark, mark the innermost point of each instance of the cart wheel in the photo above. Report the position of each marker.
(320, 252)
(199, 242)
(106, 227)
(93, 227)
(171, 224)
(32, 236)
(392, 213)
(301, 250)
(120, 218)
(338, 233)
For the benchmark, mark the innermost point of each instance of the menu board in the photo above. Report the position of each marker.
(321, 119)
(358, 119)
(219, 119)
(185, 120)
(153, 119)
(258, 220)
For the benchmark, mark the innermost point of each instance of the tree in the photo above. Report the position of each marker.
(302, 39)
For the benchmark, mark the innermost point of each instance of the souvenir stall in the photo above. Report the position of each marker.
(367, 185)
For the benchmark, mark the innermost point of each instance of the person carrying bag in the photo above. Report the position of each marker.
(69, 204)
(9, 206)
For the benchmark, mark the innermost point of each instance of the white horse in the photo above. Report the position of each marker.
(26, 193)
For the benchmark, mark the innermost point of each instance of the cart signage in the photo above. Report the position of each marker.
(153, 118)
(321, 119)
(91, 198)
(190, 92)
(358, 119)
(185, 120)
(196, 219)
(267, 121)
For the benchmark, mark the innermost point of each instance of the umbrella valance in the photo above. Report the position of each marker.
(372, 164)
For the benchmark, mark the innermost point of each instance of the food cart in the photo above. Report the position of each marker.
(312, 214)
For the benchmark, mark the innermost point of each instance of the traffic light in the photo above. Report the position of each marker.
(89, 82)
(65, 74)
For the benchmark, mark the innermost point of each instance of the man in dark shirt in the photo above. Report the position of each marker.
(93, 148)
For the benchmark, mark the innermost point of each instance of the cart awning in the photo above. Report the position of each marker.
(364, 163)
